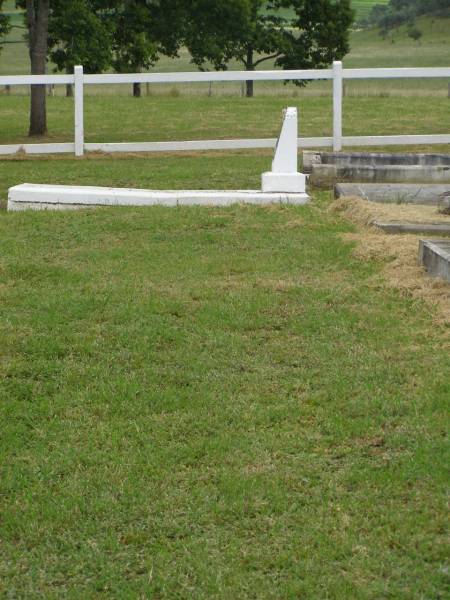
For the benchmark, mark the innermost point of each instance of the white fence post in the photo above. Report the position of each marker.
(337, 105)
(79, 111)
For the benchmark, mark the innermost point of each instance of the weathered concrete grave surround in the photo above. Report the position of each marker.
(64, 197)
(382, 168)
(434, 255)
(283, 185)
(396, 227)
(395, 193)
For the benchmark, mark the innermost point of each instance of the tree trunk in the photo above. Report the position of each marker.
(136, 90)
(37, 24)
(38, 108)
(249, 67)
(69, 90)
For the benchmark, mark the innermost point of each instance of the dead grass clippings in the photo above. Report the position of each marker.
(398, 253)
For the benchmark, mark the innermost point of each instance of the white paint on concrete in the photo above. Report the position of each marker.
(338, 89)
(189, 146)
(62, 197)
(285, 160)
(291, 183)
(284, 176)
(79, 111)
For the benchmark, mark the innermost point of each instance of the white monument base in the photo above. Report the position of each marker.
(65, 197)
(291, 183)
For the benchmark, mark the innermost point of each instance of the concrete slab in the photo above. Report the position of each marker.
(64, 197)
(357, 159)
(434, 255)
(327, 174)
(396, 227)
(444, 203)
(397, 193)
(292, 183)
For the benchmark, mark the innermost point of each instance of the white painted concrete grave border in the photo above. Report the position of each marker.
(283, 185)
(284, 176)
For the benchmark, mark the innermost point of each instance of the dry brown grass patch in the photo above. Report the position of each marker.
(397, 252)
(365, 212)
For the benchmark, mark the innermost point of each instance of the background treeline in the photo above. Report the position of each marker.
(400, 12)
(131, 35)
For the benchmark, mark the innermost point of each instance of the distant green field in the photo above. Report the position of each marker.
(367, 49)
(363, 7)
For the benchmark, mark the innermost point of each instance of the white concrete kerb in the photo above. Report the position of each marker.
(284, 176)
(63, 197)
(283, 185)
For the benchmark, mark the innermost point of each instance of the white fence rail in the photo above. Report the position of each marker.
(337, 74)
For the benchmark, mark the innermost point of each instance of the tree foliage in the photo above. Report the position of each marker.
(295, 34)
(134, 48)
(127, 35)
(80, 33)
(5, 25)
(400, 12)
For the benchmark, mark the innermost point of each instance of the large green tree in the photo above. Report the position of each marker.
(80, 33)
(134, 45)
(128, 35)
(295, 34)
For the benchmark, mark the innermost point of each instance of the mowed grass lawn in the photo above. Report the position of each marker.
(212, 403)
(162, 118)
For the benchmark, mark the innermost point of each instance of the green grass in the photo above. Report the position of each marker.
(213, 403)
(367, 50)
(109, 119)
(363, 7)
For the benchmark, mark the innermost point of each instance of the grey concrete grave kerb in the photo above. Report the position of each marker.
(398, 227)
(395, 193)
(329, 174)
(434, 255)
(373, 159)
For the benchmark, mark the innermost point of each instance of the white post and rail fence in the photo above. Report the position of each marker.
(337, 74)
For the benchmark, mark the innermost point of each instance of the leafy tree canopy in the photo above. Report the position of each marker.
(80, 33)
(295, 34)
(133, 46)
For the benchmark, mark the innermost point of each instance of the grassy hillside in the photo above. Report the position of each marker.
(368, 49)
(363, 7)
